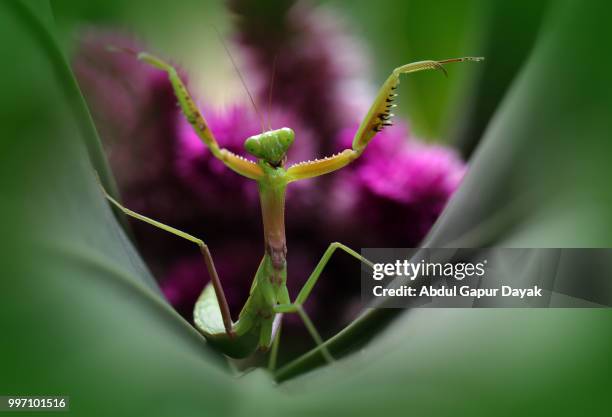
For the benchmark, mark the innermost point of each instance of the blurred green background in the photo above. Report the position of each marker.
(81, 316)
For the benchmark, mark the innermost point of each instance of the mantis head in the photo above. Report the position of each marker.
(271, 146)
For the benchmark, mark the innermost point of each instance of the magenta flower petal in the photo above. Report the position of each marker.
(418, 173)
(400, 185)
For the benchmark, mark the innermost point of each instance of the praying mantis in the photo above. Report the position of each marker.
(259, 321)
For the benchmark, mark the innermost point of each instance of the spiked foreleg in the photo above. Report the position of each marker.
(196, 120)
(378, 117)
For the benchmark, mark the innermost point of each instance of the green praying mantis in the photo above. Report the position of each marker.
(259, 321)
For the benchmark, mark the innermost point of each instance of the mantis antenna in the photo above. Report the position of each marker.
(270, 93)
(241, 79)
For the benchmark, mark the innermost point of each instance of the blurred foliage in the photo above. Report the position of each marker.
(407, 31)
(82, 317)
(395, 32)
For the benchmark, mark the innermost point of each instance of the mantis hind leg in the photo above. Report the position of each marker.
(296, 306)
(274, 349)
(210, 265)
(283, 298)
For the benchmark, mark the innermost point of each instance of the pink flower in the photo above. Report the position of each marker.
(400, 178)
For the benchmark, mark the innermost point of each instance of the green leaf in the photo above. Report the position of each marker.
(506, 44)
(81, 315)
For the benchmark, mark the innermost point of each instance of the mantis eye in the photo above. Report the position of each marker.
(253, 146)
(286, 137)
